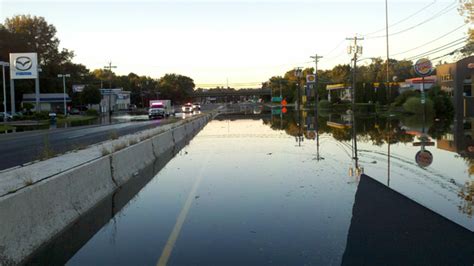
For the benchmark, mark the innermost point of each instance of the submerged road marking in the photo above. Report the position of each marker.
(165, 255)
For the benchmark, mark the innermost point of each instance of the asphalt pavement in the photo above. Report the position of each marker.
(21, 148)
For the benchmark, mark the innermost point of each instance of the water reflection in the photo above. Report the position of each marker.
(419, 157)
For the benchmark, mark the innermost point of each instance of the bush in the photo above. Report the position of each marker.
(336, 100)
(324, 104)
(413, 105)
(443, 107)
(401, 99)
(365, 107)
(92, 112)
(43, 115)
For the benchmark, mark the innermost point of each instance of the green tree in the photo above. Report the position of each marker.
(33, 34)
(340, 74)
(176, 87)
(360, 96)
(382, 94)
(370, 92)
(413, 105)
(90, 95)
(25, 33)
(466, 9)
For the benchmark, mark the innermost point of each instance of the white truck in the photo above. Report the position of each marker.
(160, 108)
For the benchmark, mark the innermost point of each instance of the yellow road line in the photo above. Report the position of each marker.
(165, 255)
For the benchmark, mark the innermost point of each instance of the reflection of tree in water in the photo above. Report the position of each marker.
(374, 129)
(440, 128)
(467, 198)
(341, 134)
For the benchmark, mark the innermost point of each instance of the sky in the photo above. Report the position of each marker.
(242, 43)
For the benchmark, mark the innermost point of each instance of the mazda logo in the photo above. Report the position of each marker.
(23, 63)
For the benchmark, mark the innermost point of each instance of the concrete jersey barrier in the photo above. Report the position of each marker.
(34, 214)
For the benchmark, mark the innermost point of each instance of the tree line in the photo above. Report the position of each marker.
(26, 33)
(367, 76)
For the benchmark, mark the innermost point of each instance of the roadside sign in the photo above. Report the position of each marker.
(283, 102)
(284, 110)
(423, 67)
(310, 78)
(424, 143)
(78, 88)
(424, 158)
(276, 99)
(24, 65)
(276, 111)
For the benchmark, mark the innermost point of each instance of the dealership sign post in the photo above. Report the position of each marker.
(24, 66)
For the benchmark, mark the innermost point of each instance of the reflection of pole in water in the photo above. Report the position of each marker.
(388, 152)
(299, 138)
(316, 129)
(281, 120)
(358, 170)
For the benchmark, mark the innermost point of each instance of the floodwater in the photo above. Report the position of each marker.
(265, 189)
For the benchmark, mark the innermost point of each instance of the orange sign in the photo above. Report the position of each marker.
(283, 110)
(284, 103)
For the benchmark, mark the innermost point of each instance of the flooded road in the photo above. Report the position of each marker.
(267, 190)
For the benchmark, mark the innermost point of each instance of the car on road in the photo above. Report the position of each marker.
(158, 110)
(187, 108)
(74, 111)
(9, 116)
(197, 106)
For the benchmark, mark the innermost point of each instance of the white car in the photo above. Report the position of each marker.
(187, 108)
(197, 106)
(9, 116)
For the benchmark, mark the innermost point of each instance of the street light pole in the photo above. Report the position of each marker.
(388, 54)
(64, 76)
(4, 64)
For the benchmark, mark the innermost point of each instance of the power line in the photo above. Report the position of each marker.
(440, 37)
(450, 53)
(440, 48)
(404, 19)
(337, 46)
(437, 15)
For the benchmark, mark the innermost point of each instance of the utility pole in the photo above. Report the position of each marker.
(279, 84)
(316, 58)
(298, 74)
(64, 76)
(110, 67)
(355, 50)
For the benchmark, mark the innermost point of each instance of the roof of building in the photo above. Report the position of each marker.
(46, 97)
(336, 86)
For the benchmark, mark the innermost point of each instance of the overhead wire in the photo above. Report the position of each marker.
(435, 16)
(440, 48)
(403, 20)
(431, 41)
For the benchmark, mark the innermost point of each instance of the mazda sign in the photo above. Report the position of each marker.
(23, 63)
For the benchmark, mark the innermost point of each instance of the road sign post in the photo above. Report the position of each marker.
(423, 68)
